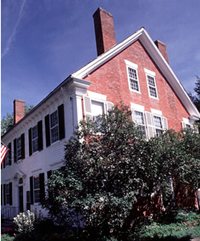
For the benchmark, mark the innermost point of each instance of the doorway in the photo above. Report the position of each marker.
(21, 203)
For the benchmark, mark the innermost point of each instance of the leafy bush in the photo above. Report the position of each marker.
(6, 237)
(25, 222)
(185, 224)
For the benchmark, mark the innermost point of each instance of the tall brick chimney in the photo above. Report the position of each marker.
(163, 49)
(19, 110)
(104, 30)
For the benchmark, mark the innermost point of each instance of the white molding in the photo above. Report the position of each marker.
(156, 112)
(96, 96)
(137, 107)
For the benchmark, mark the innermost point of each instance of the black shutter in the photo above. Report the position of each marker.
(31, 189)
(61, 122)
(42, 191)
(23, 146)
(9, 154)
(49, 173)
(4, 193)
(40, 136)
(30, 141)
(10, 192)
(15, 150)
(47, 130)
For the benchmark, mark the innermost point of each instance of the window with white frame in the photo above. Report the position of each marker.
(151, 82)
(158, 125)
(54, 126)
(35, 138)
(36, 189)
(94, 107)
(132, 71)
(150, 123)
(19, 148)
(140, 121)
(97, 109)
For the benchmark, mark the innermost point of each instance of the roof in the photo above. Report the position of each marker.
(158, 58)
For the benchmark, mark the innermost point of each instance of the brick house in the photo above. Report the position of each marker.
(135, 71)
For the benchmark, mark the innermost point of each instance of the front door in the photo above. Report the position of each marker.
(21, 204)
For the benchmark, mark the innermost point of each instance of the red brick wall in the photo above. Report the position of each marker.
(111, 79)
(19, 110)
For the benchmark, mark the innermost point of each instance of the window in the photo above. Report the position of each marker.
(151, 82)
(55, 126)
(8, 160)
(93, 108)
(8, 193)
(36, 189)
(150, 123)
(19, 148)
(140, 121)
(158, 125)
(152, 87)
(132, 76)
(7, 186)
(35, 138)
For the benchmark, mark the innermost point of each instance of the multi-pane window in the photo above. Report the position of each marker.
(35, 138)
(139, 118)
(36, 189)
(152, 86)
(7, 193)
(158, 125)
(132, 76)
(54, 126)
(133, 79)
(19, 148)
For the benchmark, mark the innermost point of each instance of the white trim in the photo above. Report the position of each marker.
(156, 112)
(137, 107)
(149, 72)
(134, 67)
(96, 96)
(152, 74)
(185, 120)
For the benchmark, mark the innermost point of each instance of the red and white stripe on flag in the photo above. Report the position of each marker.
(4, 152)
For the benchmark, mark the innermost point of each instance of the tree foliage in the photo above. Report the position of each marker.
(110, 173)
(8, 120)
(196, 98)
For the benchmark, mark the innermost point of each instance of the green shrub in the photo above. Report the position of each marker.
(6, 237)
(185, 224)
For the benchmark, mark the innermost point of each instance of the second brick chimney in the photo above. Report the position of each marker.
(19, 110)
(163, 49)
(104, 30)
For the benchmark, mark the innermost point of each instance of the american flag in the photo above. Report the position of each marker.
(4, 152)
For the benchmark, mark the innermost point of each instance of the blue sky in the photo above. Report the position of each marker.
(44, 41)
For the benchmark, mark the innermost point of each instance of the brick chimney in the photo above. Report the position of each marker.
(163, 49)
(104, 30)
(19, 110)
